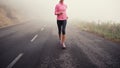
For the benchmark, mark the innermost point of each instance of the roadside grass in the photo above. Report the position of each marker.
(107, 30)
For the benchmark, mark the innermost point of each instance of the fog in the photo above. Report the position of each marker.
(88, 10)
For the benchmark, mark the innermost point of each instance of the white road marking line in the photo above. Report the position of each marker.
(34, 38)
(15, 60)
(42, 29)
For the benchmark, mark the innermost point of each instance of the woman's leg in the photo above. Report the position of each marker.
(64, 31)
(59, 28)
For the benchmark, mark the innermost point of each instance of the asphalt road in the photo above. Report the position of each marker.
(35, 44)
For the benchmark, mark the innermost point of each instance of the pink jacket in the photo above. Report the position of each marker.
(61, 8)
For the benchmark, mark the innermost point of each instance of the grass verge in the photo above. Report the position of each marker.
(107, 30)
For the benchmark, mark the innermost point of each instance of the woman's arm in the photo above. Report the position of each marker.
(57, 12)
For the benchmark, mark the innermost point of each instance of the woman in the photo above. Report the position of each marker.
(60, 11)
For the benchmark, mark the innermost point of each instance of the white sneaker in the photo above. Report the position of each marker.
(63, 46)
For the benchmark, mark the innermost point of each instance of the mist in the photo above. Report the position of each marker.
(88, 10)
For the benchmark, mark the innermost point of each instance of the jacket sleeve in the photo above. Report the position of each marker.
(56, 10)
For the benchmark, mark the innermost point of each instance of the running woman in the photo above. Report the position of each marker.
(60, 12)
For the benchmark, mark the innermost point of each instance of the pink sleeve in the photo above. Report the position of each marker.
(56, 10)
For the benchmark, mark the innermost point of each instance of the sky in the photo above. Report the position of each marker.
(88, 10)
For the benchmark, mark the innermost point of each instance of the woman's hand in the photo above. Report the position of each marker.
(67, 17)
(60, 13)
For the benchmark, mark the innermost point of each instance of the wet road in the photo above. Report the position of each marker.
(35, 44)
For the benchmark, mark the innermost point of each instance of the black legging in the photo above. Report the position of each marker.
(61, 25)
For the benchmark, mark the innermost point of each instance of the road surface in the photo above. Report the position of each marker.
(35, 44)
